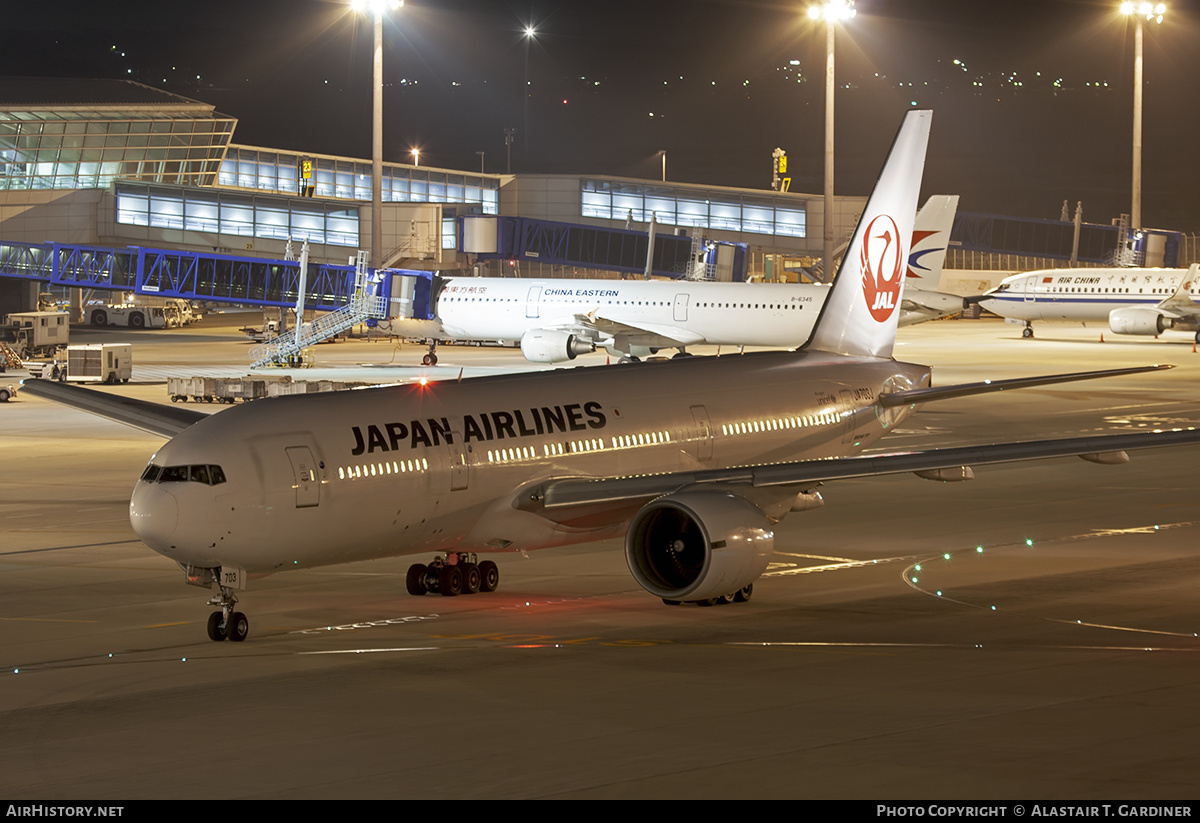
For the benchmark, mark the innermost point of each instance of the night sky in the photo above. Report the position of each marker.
(1039, 109)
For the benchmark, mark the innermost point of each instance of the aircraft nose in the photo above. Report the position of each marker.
(154, 514)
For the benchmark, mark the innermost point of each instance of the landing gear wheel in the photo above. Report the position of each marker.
(472, 579)
(415, 582)
(743, 594)
(1027, 332)
(489, 576)
(450, 582)
(708, 601)
(429, 360)
(237, 628)
(216, 631)
(672, 602)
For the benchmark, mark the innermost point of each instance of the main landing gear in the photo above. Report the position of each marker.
(740, 596)
(430, 359)
(1027, 332)
(227, 624)
(456, 573)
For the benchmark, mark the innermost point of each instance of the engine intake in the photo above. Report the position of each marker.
(551, 346)
(1134, 320)
(698, 543)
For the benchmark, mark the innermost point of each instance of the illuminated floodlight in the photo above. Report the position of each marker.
(832, 10)
(376, 6)
(1148, 11)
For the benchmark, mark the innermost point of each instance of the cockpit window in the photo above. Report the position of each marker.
(208, 475)
(174, 474)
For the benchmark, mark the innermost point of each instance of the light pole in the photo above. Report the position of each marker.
(663, 152)
(831, 11)
(1139, 11)
(377, 8)
(416, 153)
(530, 31)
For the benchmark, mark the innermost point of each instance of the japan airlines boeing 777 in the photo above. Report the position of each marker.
(1130, 301)
(692, 460)
(556, 320)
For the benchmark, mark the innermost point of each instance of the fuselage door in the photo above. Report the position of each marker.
(704, 440)
(304, 472)
(681, 306)
(532, 301)
(459, 468)
(846, 409)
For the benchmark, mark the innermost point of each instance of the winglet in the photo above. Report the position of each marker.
(863, 308)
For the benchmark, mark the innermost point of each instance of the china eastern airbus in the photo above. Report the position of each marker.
(556, 320)
(1130, 301)
(693, 461)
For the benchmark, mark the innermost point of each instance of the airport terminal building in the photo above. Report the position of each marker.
(116, 163)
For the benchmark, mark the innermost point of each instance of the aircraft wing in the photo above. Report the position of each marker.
(1180, 304)
(155, 418)
(564, 499)
(555, 499)
(670, 335)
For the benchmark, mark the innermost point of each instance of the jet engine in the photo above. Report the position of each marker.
(1134, 320)
(697, 544)
(551, 346)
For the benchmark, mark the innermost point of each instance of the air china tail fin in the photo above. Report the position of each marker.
(863, 308)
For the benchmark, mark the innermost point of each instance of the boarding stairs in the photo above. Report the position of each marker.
(287, 348)
(9, 359)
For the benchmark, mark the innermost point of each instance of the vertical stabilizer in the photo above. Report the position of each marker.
(931, 240)
(863, 308)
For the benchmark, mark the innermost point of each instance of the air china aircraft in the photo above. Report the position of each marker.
(1130, 301)
(556, 320)
(692, 460)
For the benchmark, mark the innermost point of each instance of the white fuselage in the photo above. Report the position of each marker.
(1082, 295)
(318, 479)
(658, 313)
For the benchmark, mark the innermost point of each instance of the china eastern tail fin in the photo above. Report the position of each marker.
(861, 313)
(931, 240)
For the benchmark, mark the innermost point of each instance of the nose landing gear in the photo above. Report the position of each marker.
(227, 624)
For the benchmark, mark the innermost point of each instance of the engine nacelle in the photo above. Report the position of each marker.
(698, 543)
(552, 346)
(1134, 320)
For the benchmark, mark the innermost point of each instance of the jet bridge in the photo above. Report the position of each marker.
(202, 276)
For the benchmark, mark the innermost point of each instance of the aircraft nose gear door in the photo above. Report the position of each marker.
(304, 470)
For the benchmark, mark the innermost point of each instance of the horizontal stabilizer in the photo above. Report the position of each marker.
(903, 398)
(155, 418)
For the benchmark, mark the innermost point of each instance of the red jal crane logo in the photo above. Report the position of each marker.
(882, 266)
